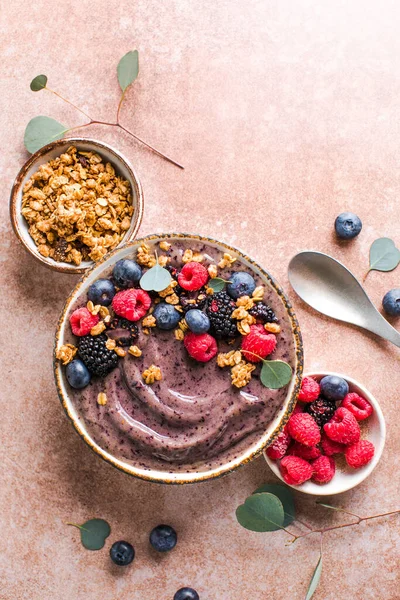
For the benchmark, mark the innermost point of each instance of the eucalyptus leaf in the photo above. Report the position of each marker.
(285, 495)
(41, 131)
(217, 284)
(155, 279)
(93, 533)
(275, 374)
(314, 579)
(383, 255)
(261, 512)
(128, 69)
(38, 83)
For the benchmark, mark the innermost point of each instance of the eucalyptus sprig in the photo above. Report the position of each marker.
(275, 374)
(42, 130)
(217, 284)
(93, 533)
(271, 508)
(383, 256)
(155, 279)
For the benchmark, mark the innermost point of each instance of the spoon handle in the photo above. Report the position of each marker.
(381, 327)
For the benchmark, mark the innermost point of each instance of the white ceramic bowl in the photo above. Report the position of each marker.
(51, 151)
(346, 478)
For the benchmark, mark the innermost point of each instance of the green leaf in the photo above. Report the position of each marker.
(217, 284)
(93, 533)
(41, 131)
(285, 495)
(128, 69)
(38, 83)
(314, 579)
(383, 255)
(261, 512)
(275, 374)
(155, 279)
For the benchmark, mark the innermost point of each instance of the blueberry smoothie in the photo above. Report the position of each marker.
(170, 378)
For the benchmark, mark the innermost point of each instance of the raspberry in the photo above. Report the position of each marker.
(131, 304)
(258, 342)
(82, 321)
(202, 347)
(297, 409)
(306, 452)
(193, 276)
(343, 427)
(329, 447)
(304, 429)
(359, 454)
(279, 447)
(309, 390)
(358, 406)
(321, 410)
(324, 469)
(295, 470)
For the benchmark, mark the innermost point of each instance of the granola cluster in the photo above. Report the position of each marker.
(76, 207)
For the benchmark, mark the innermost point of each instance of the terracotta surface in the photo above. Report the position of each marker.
(284, 114)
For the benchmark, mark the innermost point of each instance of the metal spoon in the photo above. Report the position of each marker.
(330, 288)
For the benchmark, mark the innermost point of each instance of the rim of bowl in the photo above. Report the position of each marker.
(246, 456)
(321, 490)
(15, 205)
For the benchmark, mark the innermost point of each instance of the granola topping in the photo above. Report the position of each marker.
(241, 373)
(152, 374)
(66, 353)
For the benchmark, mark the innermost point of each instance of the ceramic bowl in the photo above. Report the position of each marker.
(49, 152)
(346, 478)
(200, 471)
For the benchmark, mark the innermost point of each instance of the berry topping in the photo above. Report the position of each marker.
(197, 321)
(193, 276)
(309, 390)
(163, 538)
(358, 406)
(131, 304)
(262, 312)
(329, 447)
(241, 284)
(279, 447)
(96, 356)
(306, 452)
(126, 273)
(321, 410)
(82, 321)
(191, 300)
(201, 347)
(77, 374)
(343, 427)
(304, 429)
(166, 316)
(186, 594)
(359, 454)
(347, 226)
(219, 309)
(391, 303)
(297, 409)
(333, 387)
(101, 292)
(124, 332)
(324, 469)
(258, 342)
(122, 553)
(295, 470)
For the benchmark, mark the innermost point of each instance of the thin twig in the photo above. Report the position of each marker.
(68, 102)
(120, 104)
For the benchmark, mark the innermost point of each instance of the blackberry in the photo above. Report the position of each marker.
(190, 300)
(219, 309)
(98, 359)
(124, 332)
(263, 312)
(321, 410)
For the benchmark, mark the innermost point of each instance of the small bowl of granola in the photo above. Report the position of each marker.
(73, 201)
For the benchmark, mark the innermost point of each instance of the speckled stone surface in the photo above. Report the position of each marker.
(284, 114)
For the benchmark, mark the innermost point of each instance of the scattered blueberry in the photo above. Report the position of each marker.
(163, 538)
(197, 321)
(101, 292)
(241, 284)
(126, 273)
(122, 553)
(391, 303)
(186, 594)
(77, 374)
(333, 387)
(347, 226)
(166, 316)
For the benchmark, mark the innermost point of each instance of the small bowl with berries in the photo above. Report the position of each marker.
(333, 439)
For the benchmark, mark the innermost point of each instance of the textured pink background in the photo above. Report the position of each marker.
(284, 113)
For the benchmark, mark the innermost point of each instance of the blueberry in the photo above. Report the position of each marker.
(347, 226)
(163, 538)
(101, 292)
(391, 303)
(241, 284)
(122, 553)
(126, 273)
(333, 387)
(186, 594)
(77, 374)
(197, 321)
(166, 316)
